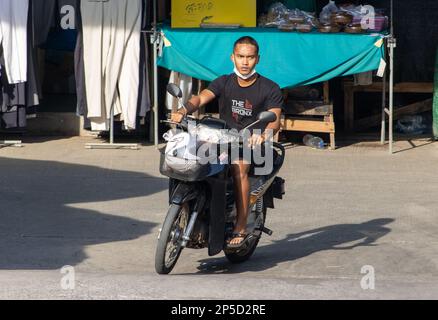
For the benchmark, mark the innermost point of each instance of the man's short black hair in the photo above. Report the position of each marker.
(247, 40)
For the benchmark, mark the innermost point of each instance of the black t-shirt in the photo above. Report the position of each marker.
(240, 106)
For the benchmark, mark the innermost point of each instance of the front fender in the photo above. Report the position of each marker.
(184, 192)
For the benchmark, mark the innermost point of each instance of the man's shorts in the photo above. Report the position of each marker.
(249, 155)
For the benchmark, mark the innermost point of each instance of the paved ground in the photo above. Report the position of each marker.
(355, 209)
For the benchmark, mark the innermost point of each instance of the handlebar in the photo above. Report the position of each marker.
(170, 122)
(182, 124)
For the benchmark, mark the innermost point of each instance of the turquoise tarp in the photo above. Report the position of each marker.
(288, 58)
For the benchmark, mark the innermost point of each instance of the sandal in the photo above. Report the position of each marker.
(243, 236)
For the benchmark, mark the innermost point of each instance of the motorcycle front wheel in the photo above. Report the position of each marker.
(171, 236)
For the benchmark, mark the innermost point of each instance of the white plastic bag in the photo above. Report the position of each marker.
(181, 145)
(277, 14)
(326, 12)
(216, 136)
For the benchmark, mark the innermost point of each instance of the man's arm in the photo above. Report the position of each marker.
(274, 104)
(274, 126)
(193, 105)
(204, 97)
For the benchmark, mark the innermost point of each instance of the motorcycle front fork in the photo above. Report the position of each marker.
(188, 232)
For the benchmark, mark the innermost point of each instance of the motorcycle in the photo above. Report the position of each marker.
(202, 208)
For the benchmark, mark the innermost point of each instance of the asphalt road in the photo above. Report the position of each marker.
(355, 223)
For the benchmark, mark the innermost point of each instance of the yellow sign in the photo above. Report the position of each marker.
(191, 13)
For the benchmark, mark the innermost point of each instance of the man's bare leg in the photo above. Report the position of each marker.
(240, 171)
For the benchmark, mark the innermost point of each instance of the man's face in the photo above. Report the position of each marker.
(245, 58)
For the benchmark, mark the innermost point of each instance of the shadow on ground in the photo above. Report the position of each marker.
(363, 139)
(300, 245)
(45, 220)
(372, 140)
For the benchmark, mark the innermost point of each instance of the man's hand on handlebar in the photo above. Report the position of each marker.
(177, 117)
(256, 140)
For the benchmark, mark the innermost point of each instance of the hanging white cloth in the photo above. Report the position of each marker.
(13, 38)
(111, 43)
(185, 83)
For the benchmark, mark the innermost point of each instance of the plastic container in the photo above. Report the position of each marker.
(304, 27)
(341, 18)
(353, 28)
(286, 27)
(313, 142)
(329, 28)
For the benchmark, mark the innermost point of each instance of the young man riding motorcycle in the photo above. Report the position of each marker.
(243, 95)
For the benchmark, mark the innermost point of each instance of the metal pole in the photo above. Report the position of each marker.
(112, 126)
(392, 44)
(155, 95)
(151, 112)
(392, 18)
(155, 9)
(383, 132)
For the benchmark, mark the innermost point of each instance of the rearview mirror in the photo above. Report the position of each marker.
(174, 90)
(267, 117)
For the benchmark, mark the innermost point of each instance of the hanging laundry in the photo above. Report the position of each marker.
(185, 83)
(43, 14)
(19, 100)
(144, 100)
(13, 38)
(111, 45)
(81, 105)
(52, 14)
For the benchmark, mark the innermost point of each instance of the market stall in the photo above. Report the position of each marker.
(288, 58)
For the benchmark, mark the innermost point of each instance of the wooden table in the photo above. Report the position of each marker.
(311, 116)
(350, 89)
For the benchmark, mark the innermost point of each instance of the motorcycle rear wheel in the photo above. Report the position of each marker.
(171, 235)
